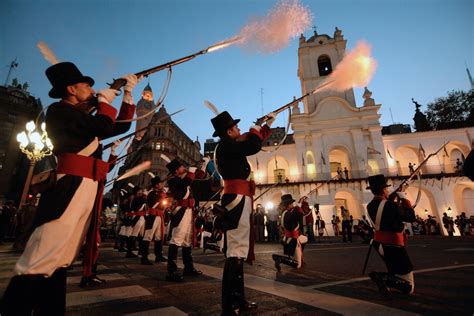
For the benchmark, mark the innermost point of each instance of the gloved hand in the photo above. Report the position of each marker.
(272, 116)
(402, 195)
(114, 147)
(192, 169)
(205, 161)
(107, 95)
(132, 81)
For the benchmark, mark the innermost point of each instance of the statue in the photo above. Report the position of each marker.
(337, 32)
(367, 96)
(295, 107)
(418, 105)
(421, 123)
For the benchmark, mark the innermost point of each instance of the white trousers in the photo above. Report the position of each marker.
(155, 232)
(56, 244)
(238, 239)
(182, 235)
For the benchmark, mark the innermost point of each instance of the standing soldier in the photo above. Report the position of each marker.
(137, 223)
(389, 240)
(154, 222)
(70, 210)
(236, 221)
(293, 241)
(182, 220)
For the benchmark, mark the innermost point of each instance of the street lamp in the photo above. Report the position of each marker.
(36, 145)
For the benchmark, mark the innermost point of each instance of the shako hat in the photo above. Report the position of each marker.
(287, 199)
(222, 122)
(377, 181)
(173, 165)
(155, 180)
(62, 75)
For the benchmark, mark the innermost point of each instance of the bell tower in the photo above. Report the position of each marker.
(317, 58)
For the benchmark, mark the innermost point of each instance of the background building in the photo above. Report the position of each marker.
(163, 136)
(338, 144)
(17, 107)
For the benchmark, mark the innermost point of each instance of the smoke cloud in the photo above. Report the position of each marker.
(273, 32)
(355, 70)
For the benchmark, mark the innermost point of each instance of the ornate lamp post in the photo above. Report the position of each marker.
(36, 145)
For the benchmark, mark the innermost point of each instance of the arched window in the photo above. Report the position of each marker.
(324, 65)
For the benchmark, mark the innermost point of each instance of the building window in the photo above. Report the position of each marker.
(324, 65)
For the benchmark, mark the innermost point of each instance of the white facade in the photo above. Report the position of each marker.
(333, 132)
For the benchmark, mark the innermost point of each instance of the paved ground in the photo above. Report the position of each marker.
(330, 283)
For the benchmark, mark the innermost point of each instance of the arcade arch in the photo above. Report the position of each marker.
(405, 155)
(339, 159)
(277, 170)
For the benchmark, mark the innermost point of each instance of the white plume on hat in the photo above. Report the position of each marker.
(165, 158)
(211, 107)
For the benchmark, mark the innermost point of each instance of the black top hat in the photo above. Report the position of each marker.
(173, 165)
(155, 180)
(377, 181)
(286, 199)
(222, 122)
(62, 75)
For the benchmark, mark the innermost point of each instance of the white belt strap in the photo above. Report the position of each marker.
(378, 218)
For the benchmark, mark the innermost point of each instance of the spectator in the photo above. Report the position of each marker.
(259, 221)
(459, 165)
(339, 173)
(335, 224)
(346, 224)
(272, 224)
(448, 223)
(411, 167)
(6, 215)
(320, 226)
(346, 173)
(308, 220)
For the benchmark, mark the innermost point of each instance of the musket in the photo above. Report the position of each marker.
(265, 118)
(119, 83)
(413, 174)
(139, 130)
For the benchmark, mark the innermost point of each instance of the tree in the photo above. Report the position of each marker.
(453, 111)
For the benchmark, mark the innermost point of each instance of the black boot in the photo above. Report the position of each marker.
(140, 246)
(399, 284)
(121, 247)
(159, 252)
(130, 244)
(172, 267)
(233, 297)
(189, 268)
(378, 278)
(145, 245)
(21, 295)
(279, 259)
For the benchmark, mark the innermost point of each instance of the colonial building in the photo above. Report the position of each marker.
(337, 144)
(162, 136)
(17, 107)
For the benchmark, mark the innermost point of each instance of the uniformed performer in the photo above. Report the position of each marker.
(154, 221)
(138, 209)
(70, 210)
(293, 240)
(182, 220)
(389, 239)
(232, 164)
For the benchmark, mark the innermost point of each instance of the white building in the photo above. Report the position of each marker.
(332, 131)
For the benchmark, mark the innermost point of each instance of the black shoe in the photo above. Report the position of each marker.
(92, 280)
(277, 263)
(192, 272)
(377, 278)
(146, 262)
(131, 255)
(174, 277)
(248, 306)
(161, 259)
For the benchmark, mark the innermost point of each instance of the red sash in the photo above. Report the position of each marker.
(291, 233)
(239, 186)
(390, 238)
